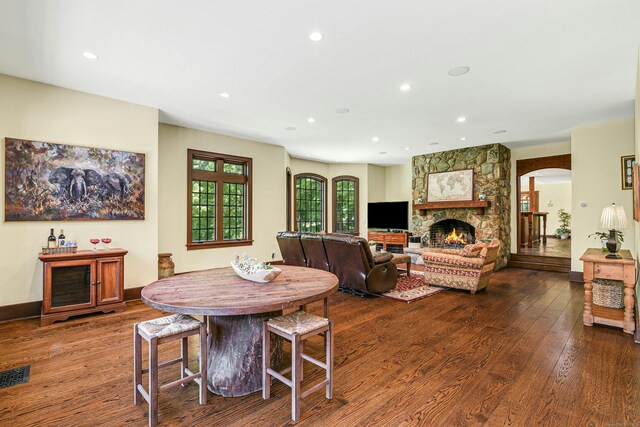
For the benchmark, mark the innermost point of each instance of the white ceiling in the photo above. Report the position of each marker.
(538, 68)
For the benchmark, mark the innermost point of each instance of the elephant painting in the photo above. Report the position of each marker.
(46, 181)
(77, 184)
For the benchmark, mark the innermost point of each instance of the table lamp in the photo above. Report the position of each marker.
(613, 218)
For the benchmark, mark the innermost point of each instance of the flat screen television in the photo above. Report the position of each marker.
(388, 215)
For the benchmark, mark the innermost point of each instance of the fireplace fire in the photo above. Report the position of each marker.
(451, 233)
(455, 239)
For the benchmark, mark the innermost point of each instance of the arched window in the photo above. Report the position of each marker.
(310, 203)
(345, 204)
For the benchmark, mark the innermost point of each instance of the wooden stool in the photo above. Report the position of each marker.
(159, 331)
(296, 327)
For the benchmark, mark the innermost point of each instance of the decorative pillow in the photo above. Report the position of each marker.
(472, 251)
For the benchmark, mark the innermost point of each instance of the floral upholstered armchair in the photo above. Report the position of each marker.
(468, 268)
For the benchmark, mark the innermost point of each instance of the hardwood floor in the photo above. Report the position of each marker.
(516, 354)
(555, 247)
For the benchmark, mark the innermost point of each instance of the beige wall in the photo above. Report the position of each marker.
(330, 171)
(560, 197)
(637, 151)
(36, 111)
(269, 166)
(377, 183)
(532, 152)
(398, 183)
(595, 162)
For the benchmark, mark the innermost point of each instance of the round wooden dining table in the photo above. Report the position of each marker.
(235, 309)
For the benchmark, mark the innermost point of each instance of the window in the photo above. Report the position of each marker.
(310, 203)
(345, 204)
(219, 200)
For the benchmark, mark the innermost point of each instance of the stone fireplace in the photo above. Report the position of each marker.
(491, 165)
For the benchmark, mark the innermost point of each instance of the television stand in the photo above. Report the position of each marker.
(390, 240)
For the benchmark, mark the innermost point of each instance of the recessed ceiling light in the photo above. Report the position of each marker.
(342, 110)
(461, 119)
(434, 143)
(463, 138)
(289, 128)
(405, 87)
(407, 148)
(459, 71)
(316, 36)
(500, 131)
(308, 155)
(382, 152)
(224, 94)
(375, 139)
(89, 55)
(311, 120)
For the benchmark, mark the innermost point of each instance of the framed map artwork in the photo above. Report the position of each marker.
(450, 186)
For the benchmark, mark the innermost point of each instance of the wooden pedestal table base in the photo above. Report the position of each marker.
(236, 308)
(235, 353)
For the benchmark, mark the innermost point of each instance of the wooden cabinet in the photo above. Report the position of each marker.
(597, 266)
(389, 238)
(82, 282)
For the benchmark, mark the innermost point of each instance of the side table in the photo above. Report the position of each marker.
(596, 265)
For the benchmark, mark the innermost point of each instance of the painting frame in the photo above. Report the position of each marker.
(636, 192)
(626, 171)
(46, 181)
(451, 178)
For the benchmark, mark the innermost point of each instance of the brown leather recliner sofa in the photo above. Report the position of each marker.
(346, 256)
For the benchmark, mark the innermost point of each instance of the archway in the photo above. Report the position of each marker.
(524, 167)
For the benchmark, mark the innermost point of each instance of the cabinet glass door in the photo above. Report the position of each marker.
(71, 285)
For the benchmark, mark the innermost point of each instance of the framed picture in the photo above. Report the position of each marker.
(636, 192)
(627, 171)
(57, 182)
(450, 186)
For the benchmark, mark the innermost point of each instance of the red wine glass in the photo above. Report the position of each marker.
(106, 241)
(95, 242)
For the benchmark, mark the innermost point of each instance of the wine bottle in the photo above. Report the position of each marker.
(51, 241)
(61, 238)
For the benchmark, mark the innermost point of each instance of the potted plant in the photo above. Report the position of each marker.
(564, 232)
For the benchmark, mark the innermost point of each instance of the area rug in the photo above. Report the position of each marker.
(410, 289)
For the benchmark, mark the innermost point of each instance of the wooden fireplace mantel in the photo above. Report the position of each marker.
(479, 205)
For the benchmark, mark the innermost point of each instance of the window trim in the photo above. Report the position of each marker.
(325, 208)
(334, 191)
(218, 176)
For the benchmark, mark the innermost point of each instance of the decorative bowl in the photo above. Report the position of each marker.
(260, 276)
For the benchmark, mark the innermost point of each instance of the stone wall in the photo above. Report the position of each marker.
(491, 165)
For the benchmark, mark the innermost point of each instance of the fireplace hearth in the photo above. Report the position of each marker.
(451, 234)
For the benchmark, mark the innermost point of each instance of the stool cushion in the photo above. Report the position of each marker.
(169, 325)
(298, 321)
(401, 258)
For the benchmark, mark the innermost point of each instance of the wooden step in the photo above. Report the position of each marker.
(541, 258)
(546, 263)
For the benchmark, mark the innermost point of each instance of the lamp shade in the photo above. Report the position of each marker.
(613, 218)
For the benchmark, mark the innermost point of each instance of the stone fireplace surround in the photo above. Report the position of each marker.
(492, 167)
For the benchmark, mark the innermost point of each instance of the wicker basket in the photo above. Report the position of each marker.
(60, 250)
(608, 293)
